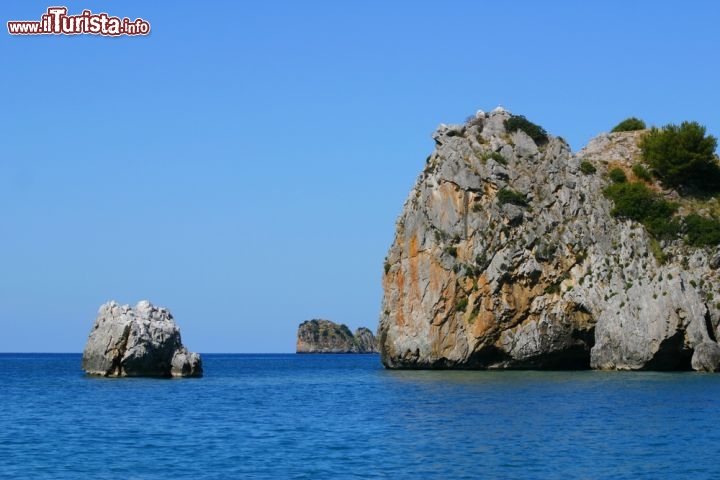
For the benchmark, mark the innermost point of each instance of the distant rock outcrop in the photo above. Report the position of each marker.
(365, 340)
(137, 342)
(324, 336)
(507, 255)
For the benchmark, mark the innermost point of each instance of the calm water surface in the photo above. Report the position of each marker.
(344, 416)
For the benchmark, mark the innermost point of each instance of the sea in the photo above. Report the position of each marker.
(345, 416)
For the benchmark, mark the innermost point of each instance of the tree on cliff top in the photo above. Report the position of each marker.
(683, 156)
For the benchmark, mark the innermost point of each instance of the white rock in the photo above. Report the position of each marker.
(140, 342)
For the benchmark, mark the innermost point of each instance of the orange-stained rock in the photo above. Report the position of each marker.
(506, 256)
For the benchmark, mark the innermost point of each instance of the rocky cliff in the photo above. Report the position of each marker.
(324, 336)
(506, 255)
(137, 342)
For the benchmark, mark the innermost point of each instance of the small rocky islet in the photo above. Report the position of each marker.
(513, 252)
(325, 336)
(143, 341)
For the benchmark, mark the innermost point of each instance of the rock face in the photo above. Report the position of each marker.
(324, 336)
(506, 256)
(137, 342)
(365, 340)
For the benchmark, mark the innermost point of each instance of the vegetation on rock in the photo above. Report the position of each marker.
(637, 202)
(519, 122)
(657, 251)
(641, 172)
(617, 175)
(683, 156)
(587, 168)
(629, 125)
(495, 156)
(507, 195)
(702, 231)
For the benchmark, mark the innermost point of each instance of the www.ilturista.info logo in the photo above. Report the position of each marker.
(56, 21)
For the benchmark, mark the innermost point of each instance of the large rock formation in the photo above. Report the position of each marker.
(506, 256)
(324, 336)
(137, 342)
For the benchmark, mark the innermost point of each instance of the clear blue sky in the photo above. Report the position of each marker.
(244, 164)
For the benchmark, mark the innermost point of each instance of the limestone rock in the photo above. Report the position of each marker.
(365, 340)
(137, 342)
(706, 357)
(324, 336)
(546, 279)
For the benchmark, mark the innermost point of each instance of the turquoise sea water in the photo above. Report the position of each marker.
(344, 416)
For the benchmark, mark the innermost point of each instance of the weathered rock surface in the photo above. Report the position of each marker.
(324, 336)
(706, 357)
(137, 342)
(471, 282)
(365, 340)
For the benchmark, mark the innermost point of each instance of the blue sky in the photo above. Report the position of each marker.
(244, 164)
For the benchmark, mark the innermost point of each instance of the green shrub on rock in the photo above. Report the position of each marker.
(519, 122)
(617, 175)
(461, 304)
(641, 172)
(683, 156)
(637, 202)
(702, 231)
(587, 168)
(657, 251)
(507, 195)
(629, 125)
(497, 156)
